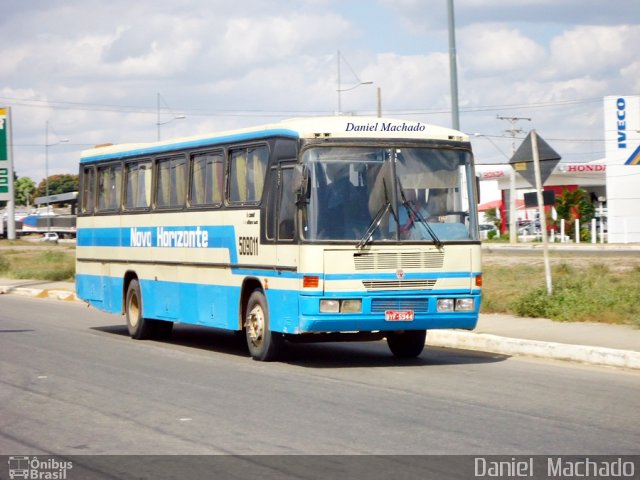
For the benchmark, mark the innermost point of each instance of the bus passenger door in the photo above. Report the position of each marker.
(279, 220)
(286, 248)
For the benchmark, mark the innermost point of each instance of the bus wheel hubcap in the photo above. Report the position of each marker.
(134, 310)
(255, 325)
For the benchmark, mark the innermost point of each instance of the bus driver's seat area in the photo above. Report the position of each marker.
(343, 205)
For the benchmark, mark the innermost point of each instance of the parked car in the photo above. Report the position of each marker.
(485, 228)
(50, 237)
(528, 227)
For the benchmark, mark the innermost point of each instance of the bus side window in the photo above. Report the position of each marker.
(246, 174)
(206, 179)
(144, 185)
(88, 189)
(109, 187)
(138, 182)
(179, 182)
(171, 184)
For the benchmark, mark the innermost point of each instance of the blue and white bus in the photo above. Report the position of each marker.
(305, 230)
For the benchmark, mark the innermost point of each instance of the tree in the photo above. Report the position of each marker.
(574, 205)
(24, 189)
(15, 177)
(491, 216)
(58, 184)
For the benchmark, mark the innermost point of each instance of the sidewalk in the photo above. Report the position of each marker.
(591, 343)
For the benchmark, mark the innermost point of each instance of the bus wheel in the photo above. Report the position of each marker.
(139, 328)
(264, 345)
(406, 343)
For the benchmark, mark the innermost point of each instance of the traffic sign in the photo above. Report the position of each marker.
(522, 160)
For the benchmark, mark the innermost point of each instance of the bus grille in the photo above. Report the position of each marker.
(398, 284)
(415, 304)
(395, 260)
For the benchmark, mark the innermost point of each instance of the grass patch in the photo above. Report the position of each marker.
(53, 265)
(591, 293)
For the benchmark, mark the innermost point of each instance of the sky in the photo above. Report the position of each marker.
(77, 73)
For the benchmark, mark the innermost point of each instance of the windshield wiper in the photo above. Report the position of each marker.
(373, 226)
(412, 210)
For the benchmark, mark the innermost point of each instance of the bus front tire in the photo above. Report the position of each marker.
(139, 328)
(264, 345)
(407, 343)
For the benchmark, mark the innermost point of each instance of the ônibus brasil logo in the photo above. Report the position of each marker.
(37, 469)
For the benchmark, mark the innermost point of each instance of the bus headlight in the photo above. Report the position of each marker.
(445, 305)
(350, 305)
(465, 304)
(329, 306)
(455, 304)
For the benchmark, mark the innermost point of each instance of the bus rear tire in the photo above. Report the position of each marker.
(139, 328)
(406, 343)
(264, 345)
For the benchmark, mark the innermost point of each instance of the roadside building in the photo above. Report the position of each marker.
(611, 182)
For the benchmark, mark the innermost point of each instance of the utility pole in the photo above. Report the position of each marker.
(453, 68)
(513, 131)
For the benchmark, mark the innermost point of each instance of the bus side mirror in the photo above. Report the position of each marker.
(300, 182)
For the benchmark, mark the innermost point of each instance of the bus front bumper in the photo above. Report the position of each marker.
(389, 314)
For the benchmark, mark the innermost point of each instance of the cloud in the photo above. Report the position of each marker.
(259, 41)
(408, 81)
(630, 78)
(496, 49)
(593, 50)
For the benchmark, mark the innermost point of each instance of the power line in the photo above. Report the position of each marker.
(202, 112)
(35, 103)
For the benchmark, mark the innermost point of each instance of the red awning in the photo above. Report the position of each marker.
(497, 204)
(486, 206)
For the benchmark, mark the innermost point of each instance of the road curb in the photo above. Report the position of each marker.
(534, 348)
(65, 295)
(54, 294)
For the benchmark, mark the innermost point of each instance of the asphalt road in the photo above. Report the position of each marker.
(73, 383)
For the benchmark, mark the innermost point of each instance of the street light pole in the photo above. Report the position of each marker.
(340, 90)
(158, 116)
(158, 122)
(339, 85)
(453, 68)
(46, 173)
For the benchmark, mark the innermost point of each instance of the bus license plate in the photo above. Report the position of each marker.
(398, 315)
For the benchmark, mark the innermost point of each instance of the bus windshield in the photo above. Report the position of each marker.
(388, 194)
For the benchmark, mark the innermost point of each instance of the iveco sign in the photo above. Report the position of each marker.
(622, 146)
(622, 123)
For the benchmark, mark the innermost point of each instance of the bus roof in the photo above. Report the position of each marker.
(347, 127)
